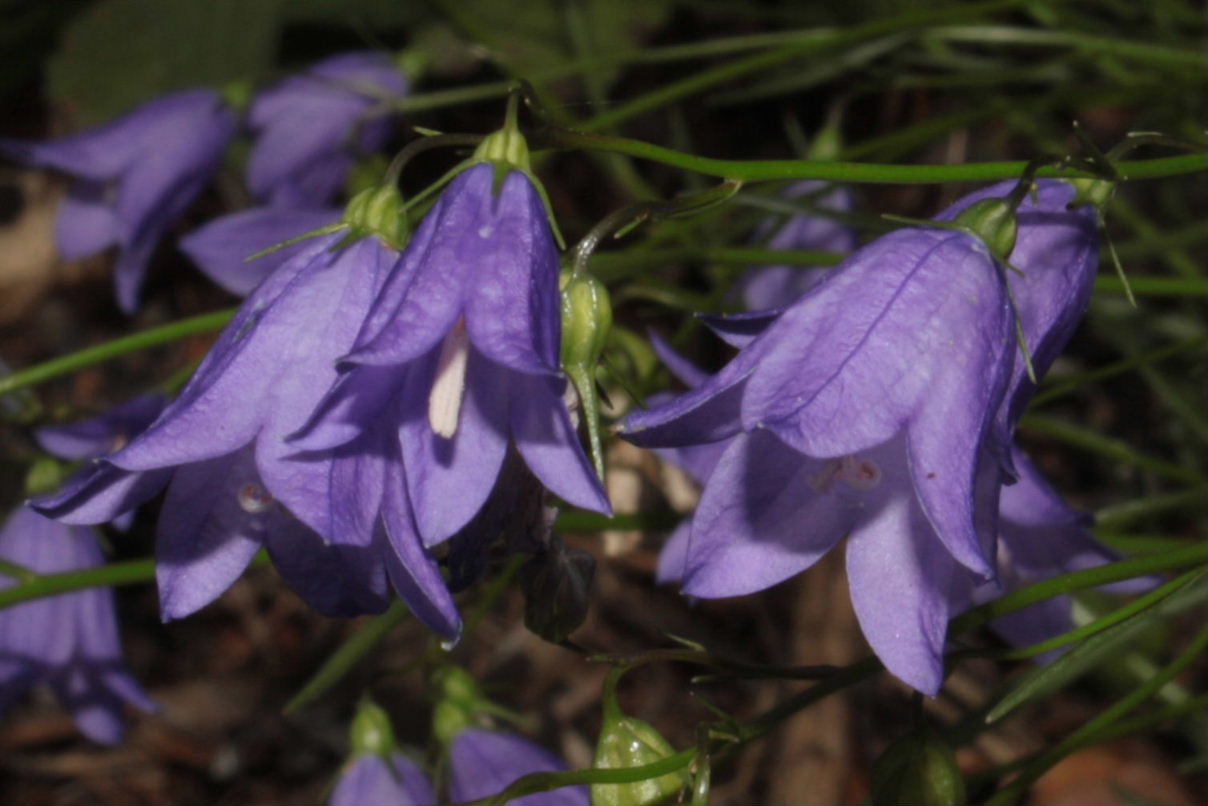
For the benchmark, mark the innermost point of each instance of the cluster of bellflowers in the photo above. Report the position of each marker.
(391, 398)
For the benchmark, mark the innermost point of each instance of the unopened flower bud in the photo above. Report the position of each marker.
(586, 319)
(459, 700)
(1095, 192)
(627, 742)
(371, 731)
(507, 146)
(918, 769)
(992, 220)
(45, 475)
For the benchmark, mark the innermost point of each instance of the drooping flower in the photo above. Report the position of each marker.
(484, 762)
(134, 177)
(69, 640)
(870, 408)
(237, 485)
(102, 435)
(221, 247)
(374, 780)
(458, 358)
(310, 127)
(775, 286)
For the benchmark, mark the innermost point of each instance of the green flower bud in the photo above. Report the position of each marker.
(378, 210)
(44, 476)
(992, 220)
(586, 319)
(460, 700)
(627, 742)
(917, 770)
(371, 730)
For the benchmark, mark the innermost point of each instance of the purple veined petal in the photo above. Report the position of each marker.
(371, 780)
(309, 124)
(86, 223)
(335, 303)
(698, 461)
(673, 559)
(740, 329)
(336, 580)
(213, 522)
(1057, 249)
(221, 248)
(100, 492)
(226, 402)
(549, 443)
(883, 324)
(97, 436)
(448, 480)
(903, 614)
(766, 514)
(422, 297)
(106, 151)
(338, 492)
(359, 397)
(130, 270)
(772, 286)
(708, 413)
(686, 372)
(412, 570)
(513, 309)
(484, 762)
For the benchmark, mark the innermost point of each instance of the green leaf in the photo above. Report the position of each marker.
(1102, 646)
(121, 53)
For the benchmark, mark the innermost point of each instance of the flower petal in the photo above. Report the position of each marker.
(747, 533)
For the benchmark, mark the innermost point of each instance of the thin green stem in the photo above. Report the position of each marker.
(339, 663)
(1091, 440)
(65, 365)
(1151, 53)
(849, 172)
(1078, 580)
(1155, 286)
(1064, 386)
(1120, 515)
(1089, 732)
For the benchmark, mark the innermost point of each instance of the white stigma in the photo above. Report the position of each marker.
(862, 474)
(254, 499)
(444, 404)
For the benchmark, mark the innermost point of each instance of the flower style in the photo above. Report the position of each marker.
(871, 408)
(458, 359)
(483, 762)
(69, 640)
(310, 127)
(775, 286)
(382, 780)
(133, 178)
(235, 483)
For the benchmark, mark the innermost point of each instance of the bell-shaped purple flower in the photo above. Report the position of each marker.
(458, 358)
(375, 780)
(763, 287)
(100, 436)
(310, 127)
(871, 408)
(484, 762)
(221, 247)
(236, 484)
(134, 177)
(70, 640)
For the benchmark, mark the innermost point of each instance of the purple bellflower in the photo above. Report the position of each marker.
(458, 359)
(871, 408)
(382, 780)
(483, 762)
(236, 484)
(763, 287)
(221, 247)
(310, 127)
(134, 177)
(100, 436)
(70, 640)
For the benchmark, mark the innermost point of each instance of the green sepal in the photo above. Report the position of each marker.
(381, 211)
(992, 220)
(586, 325)
(44, 476)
